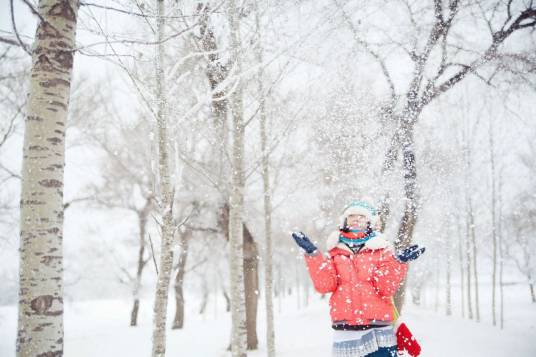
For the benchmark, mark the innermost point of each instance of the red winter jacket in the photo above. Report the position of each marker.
(361, 284)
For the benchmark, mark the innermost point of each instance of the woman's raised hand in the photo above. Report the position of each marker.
(411, 253)
(304, 242)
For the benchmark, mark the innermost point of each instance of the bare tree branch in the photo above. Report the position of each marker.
(367, 48)
(13, 42)
(15, 31)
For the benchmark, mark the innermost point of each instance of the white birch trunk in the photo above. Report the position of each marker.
(268, 264)
(236, 201)
(166, 254)
(461, 265)
(469, 221)
(500, 243)
(448, 300)
(493, 225)
(40, 313)
(474, 255)
(142, 222)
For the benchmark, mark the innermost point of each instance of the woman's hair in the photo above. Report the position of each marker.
(346, 229)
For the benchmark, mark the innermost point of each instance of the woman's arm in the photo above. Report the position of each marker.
(322, 272)
(389, 274)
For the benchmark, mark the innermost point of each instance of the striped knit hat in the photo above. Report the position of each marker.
(360, 207)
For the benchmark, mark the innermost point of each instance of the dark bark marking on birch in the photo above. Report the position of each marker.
(46, 30)
(63, 10)
(58, 44)
(34, 118)
(65, 58)
(51, 354)
(51, 183)
(53, 167)
(54, 141)
(53, 83)
(58, 104)
(54, 230)
(48, 259)
(32, 202)
(43, 64)
(41, 326)
(37, 148)
(41, 304)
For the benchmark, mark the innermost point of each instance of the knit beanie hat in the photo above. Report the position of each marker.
(360, 207)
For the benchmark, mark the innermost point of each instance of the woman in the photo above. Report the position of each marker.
(363, 273)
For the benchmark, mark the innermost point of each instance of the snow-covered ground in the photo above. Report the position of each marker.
(100, 328)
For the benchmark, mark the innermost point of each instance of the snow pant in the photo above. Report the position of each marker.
(384, 352)
(376, 342)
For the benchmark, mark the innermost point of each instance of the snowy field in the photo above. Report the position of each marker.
(99, 328)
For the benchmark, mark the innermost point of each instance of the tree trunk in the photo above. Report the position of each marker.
(531, 288)
(40, 312)
(251, 280)
(251, 286)
(461, 265)
(134, 312)
(468, 271)
(142, 222)
(268, 265)
(448, 299)
(281, 289)
(474, 255)
(493, 226)
(500, 243)
(469, 221)
(409, 218)
(437, 285)
(236, 201)
(166, 253)
(178, 321)
(298, 287)
(216, 73)
(227, 300)
(204, 299)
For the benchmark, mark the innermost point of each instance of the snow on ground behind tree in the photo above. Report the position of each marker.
(100, 328)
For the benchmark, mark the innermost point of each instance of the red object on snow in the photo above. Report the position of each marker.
(406, 341)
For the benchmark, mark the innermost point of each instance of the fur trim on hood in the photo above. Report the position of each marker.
(378, 242)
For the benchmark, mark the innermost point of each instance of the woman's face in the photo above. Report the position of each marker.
(357, 221)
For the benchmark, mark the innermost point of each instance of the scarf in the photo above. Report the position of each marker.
(355, 237)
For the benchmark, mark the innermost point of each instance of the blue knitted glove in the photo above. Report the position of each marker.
(411, 253)
(304, 242)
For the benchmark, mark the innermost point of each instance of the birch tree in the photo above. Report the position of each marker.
(494, 223)
(236, 200)
(166, 202)
(40, 319)
(268, 274)
(224, 91)
(471, 250)
(184, 239)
